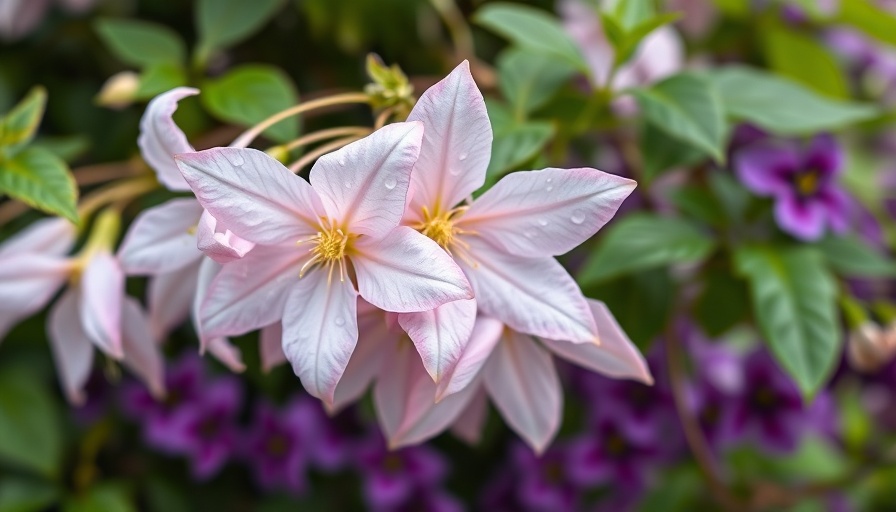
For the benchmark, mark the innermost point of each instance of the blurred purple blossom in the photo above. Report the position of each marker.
(802, 180)
(395, 479)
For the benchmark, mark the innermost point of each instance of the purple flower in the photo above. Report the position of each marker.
(543, 483)
(393, 478)
(207, 430)
(279, 444)
(771, 409)
(161, 419)
(429, 500)
(718, 383)
(802, 181)
(611, 453)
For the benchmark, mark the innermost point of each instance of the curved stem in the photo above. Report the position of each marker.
(249, 135)
(311, 156)
(383, 117)
(320, 135)
(115, 192)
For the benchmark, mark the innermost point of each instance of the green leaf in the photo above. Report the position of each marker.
(723, 303)
(30, 424)
(222, 23)
(852, 257)
(641, 241)
(532, 29)
(795, 303)
(662, 152)
(688, 108)
(528, 80)
(629, 42)
(630, 13)
(699, 203)
(869, 18)
(250, 94)
(66, 147)
(514, 143)
(157, 79)
(42, 180)
(735, 8)
(141, 43)
(23, 495)
(803, 59)
(642, 303)
(18, 127)
(106, 497)
(781, 105)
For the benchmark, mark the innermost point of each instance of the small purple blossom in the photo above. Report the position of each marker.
(393, 479)
(801, 180)
(613, 454)
(544, 482)
(279, 444)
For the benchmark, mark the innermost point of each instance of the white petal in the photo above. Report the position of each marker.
(522, 381)
(468, 426)
(161, 239)
(170, 298)
(374, 339)
(72, 349)
(320, 330)
(364, 185)
(546, 213)
(160, 138)
(227, 353)
(27, 283)
(441, 334)
(457, 142)
(141, 351)
(220, 244)
(485, 335)
(102, 293)
(54, 236)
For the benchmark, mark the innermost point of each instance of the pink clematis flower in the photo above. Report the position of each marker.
(93, 311)
(167, 242)
(319, 246)
(506, 239)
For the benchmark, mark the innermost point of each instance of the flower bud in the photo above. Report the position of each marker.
(119, 91)
(390, 87)
(870, 348)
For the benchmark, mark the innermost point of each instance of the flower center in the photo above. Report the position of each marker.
(441, 228)
(330, 246)
(807, 182)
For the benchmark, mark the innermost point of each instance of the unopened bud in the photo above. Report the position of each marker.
(390, 87)
(870, 348)
(278, 153)
(119, 91)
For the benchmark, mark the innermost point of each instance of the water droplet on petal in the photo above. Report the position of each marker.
(549, 180)
(578, 216)
(390, 183)
(462, 157)
(347, 184)
(454, 171)
(529, 233)
(342, 161)
(234, 157)
(542, 222)
(550, 188)
(339, 321)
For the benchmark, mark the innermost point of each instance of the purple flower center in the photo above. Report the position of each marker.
(764, 399)
(553, 473)
(277, 445)
(393, 463)
(806, 182)
(209, 428)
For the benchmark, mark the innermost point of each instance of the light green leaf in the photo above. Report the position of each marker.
(868, 18)
(30, 426)
(222, 23)
(18, 127)
(157, 79)
(850, 256)
(141, 43)
(795, 303)
(781, 105)
(23, 495)
(803, 59)
(532, 29)
(626, 41)
(641, 241)
(514, 143)
(42, 180)
(528, 80)
(105, 497)
(629, 13)
(249, 94)
(662, 152)
(687, 107)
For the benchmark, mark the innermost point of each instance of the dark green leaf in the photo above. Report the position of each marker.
(21, 495)
(723, 302)
(222, 23)
(533, 29)
(662, 152)
(642, 303)
(104, 497)
(795, 303)
(157, 79)
(782, 106)
(688, 108)
(18, 126)
(528, 79)
(165, 497)
(514, 143)
(852, 257)
(641, 241)
(630, 13)
(803, 59)
(30, 426)
(40, 179)
(141, 43)
(67, 148)
(699, 203)
(249, 94)
(633, 37)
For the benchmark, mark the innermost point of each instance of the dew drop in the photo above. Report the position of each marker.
(549, 180)
(348, 184)
(454, 171)
(390, 183)
(342, 162)
(462, 157)
(529, 233)
(578, 216)
(542, 222)
(550, 188)
(339, 321)
(234, 157)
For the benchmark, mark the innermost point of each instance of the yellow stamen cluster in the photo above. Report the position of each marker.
(807, 182)
(442, 229)
(330, 246)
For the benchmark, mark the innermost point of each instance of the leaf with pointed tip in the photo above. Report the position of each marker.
(42, 180)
